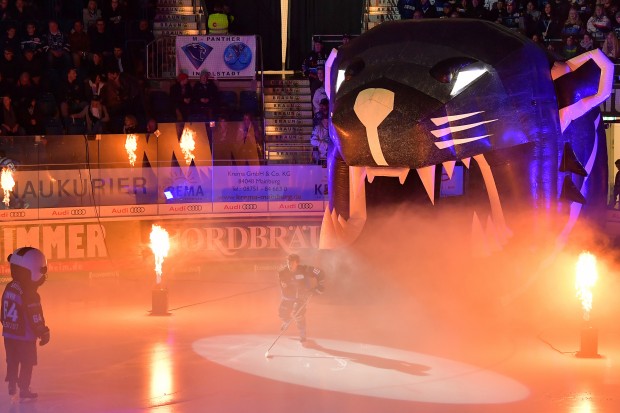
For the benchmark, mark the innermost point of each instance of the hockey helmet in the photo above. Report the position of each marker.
(30, 263)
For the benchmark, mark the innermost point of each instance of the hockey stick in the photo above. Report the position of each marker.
(288, 323)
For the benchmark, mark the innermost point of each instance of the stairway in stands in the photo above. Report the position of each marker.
(288, 120)
(179, 18)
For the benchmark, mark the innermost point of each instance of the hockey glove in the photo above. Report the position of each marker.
(45, 337)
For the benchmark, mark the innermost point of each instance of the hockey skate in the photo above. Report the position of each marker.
(26, 394)
(12, 388)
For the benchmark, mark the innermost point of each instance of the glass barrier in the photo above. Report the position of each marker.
(215, 167)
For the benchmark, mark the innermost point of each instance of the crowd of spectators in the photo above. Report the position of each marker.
(72, 66)
(565, 27)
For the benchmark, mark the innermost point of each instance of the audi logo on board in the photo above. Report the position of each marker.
(193, 208)
(305, 205)
(249, 206)
(137, 210)
(80, 211)
(17, 214)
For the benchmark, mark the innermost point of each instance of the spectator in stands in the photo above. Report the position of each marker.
(152, 127)
(130, 124)
(181, 97)
(561, 8)
(315, 84)
(137, 47)
(10, 38)
(57, 48)
(205, 96)
(599, 24)
(96, 66)
(219, 20)
(32, 63)
(570, 48)
(611, 47)
(120, 61)
(610, 8)
(319, 95)
(321, 141)
(477, 11)
(32, 118)
(115, 18)
(9, 66)
(100, 40)
(573, 26)
(247, 145)
(512, 16)
(90, 15)
(22, 13)
(9, 123)
(586, 43)
(584, 7)
(530, 19)
(114, 96)
(549, 25)
(32, 40)
(323, 112)
(5, 13)
(406, 8)
(96, 115)
(428, 10)
(498, 12)
(71, 95)
(315, 59)
(446, 11)
(616, 24)
(94, 85)
(79, 44)
(24, 92)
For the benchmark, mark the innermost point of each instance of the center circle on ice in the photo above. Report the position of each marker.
(362, 369)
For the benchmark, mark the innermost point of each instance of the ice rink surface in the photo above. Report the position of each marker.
(379, 342)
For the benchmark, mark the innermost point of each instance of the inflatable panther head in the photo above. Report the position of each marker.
(420, 102)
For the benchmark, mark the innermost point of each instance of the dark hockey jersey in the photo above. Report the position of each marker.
(297, 284)
(22, 314)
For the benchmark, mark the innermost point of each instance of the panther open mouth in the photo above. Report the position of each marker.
(344, 223)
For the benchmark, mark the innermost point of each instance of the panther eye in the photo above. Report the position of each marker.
(352, 70)
(459, 68)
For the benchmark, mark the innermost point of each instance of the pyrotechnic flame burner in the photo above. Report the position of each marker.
(8, 183)
(586, 276)
(131, 145)
(188, 144)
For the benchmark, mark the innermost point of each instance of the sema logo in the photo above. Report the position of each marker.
(237, 56)
(197, 53)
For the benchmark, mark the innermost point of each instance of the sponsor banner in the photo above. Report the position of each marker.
(185, 209)
(287, 206)
(74, 193)
(241, 207)
(68, 213)
(128, 210)
(123, 246)
(225, 56)
(18, 214)
(269, 183)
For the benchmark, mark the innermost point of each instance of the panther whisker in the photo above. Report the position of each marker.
(450, 129)
(450, 118)
(452, 142)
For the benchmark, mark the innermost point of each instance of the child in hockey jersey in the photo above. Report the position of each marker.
(22, 318)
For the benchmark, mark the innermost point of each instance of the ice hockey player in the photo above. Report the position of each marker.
(298, 282)
(22, 318)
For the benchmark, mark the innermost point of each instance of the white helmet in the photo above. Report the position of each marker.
(31, 261)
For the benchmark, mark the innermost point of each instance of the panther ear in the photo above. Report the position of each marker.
(329, 87)
(581, 83)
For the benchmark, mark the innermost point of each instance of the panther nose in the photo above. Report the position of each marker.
(372, 106)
